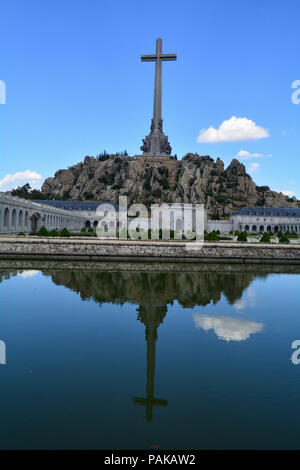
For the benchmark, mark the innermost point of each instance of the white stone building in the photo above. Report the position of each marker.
(89, 211)
(266, 219)
(24, 215)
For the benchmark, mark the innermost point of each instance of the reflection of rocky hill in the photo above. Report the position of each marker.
(188, 288)
(140, 283)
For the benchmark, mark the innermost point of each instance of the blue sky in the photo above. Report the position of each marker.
(75, 84)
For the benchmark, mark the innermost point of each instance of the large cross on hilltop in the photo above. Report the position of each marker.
(156, 143)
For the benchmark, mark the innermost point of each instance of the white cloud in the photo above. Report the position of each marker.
(287, 192)
(245, 155)
(233, 130)
(292, 182)
(9, 181)
(228, 328)
(253, 167)
(28, 273)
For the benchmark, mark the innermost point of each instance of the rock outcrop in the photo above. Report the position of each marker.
(196, 179)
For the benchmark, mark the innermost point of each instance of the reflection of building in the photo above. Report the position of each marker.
(152, 316)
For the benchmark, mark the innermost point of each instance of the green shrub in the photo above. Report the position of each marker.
(90, 229)
(43, 232)
(21, 234)
(293, 235)
(65, 232)
(212, 236)
(165, 183)
(284, 239)
(236, 233)
(266, 237)
(242, 237)
(53, 233)
(83, 230)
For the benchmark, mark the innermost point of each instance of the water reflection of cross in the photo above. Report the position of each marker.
(151, 315)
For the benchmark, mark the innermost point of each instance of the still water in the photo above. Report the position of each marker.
(108, 356)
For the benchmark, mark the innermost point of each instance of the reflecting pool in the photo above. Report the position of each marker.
(130, 356)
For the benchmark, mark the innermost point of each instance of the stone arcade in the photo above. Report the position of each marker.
(23, 215)
(267, 219)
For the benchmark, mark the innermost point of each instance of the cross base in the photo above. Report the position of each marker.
(156, 143)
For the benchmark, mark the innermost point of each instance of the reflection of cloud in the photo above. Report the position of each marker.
(240, 304)
(228, 328)
(247, 301)
(28, 273)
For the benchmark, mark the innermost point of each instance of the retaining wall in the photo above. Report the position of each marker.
(46, 248)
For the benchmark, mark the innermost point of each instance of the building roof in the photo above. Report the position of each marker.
(75, 205)
(271, 211)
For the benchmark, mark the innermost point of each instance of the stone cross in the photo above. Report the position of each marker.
(156, 143)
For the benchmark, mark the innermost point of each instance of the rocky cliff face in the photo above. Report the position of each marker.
(197, 179)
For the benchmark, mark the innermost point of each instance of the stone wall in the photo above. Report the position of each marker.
(225, 226)
(94, 249)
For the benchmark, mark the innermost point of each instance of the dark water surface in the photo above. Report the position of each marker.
(107, 356)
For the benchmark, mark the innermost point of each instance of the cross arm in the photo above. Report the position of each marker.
(168, 57)
(149, 401)
(149, 58)
(154, 57)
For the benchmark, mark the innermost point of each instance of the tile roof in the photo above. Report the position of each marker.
(75, 205)
(271, 211)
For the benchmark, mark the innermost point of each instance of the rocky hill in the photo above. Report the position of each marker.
(197, 179)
